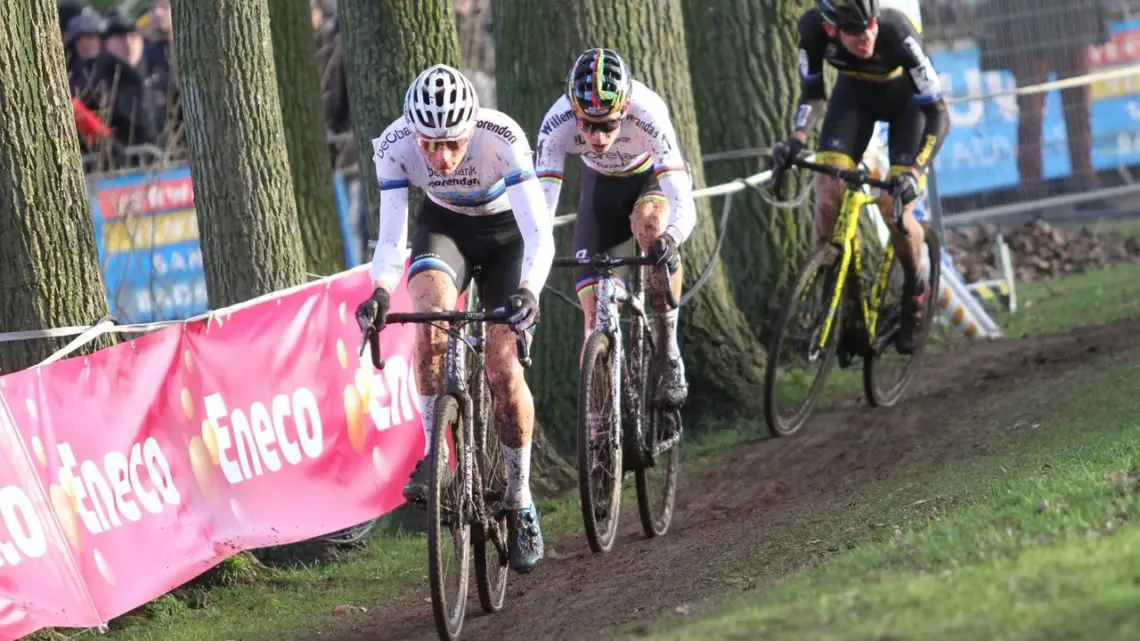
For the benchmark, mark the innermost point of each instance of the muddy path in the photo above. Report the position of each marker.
(726, 532)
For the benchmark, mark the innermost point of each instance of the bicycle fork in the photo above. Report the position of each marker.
(609, 324)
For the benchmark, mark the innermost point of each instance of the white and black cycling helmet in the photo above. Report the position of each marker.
(598, 84)
(441, 103)
(849, 13)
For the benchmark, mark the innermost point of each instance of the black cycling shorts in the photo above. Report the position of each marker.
(854, 108)
(456, 244)
(604, 211)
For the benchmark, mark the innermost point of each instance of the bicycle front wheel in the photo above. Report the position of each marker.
(790, 387)
(887, 375)
(599, 449)
(449, 525)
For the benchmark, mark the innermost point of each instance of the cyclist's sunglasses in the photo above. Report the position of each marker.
(606, 126)
(431, 144)
(857, 30)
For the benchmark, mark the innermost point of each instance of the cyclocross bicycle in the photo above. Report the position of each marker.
(829, 288)
(616, 416)
(464, 504)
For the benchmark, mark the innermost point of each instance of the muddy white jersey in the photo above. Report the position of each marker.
(646, 142)
(496, 175)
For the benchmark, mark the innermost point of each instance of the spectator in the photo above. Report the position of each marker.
(330, 65)
(159, 33)
(122, 83)
(83, 45)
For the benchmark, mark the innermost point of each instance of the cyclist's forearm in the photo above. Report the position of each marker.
(677, 185)
(537, 228)
(388, 259)
(808, 112)
(551, 188)
(933, 134)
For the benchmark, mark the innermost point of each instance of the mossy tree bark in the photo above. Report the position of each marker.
(48, 257)
(302, 112)
(247, 217)
(387, 44)
(745, 86)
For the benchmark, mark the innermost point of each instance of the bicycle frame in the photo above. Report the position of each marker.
(845, 236)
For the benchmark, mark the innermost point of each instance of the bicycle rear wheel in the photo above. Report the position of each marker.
(657, 483)
(882, 385)
(785, 381)
(490, 543)
(599, 451)
(448, 527)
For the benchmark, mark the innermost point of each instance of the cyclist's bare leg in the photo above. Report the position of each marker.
(650, 215)
(908, 248)
(828, 198)
(514, 412)
(431, 291)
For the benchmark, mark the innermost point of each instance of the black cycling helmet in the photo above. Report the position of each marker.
(849, 13)
(598, 84)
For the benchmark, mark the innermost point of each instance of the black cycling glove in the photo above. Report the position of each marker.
(783, 153)
(905, 188)
(524, 305)
(372, 311)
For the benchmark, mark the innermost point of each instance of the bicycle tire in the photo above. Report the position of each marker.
(872, 388)
(491, 569)
(448, 620)
(652, 524)
(822, 260)
(597, 357)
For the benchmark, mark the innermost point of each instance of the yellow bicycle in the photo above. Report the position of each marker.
(831, 297)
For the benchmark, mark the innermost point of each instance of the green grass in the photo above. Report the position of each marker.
(1034, 541)
(1060, 304)
(303, 599)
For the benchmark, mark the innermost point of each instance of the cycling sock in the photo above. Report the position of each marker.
(518, 477)
(667, 331)
(427, 411)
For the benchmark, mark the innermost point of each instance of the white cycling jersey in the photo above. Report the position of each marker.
(647, 141)
(496, 175)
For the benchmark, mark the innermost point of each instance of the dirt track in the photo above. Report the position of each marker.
(718, 541)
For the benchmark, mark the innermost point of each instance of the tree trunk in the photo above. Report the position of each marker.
(750, 47)
(387, 43)
(247, 217)
(302, 112)
(533, 52)
(48, 257)
(251, 241)
(650, 37)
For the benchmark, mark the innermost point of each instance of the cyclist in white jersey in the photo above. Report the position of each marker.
(635, 183)
(483, 208)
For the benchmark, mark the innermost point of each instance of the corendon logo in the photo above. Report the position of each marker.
(22, 535)
(251, 442)
(107, 495)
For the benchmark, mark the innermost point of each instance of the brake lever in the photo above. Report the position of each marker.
(660, 246)
(523, 348)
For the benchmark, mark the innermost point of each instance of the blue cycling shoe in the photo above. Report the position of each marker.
(524, 539)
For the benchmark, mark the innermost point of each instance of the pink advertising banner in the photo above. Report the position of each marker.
(128, 472)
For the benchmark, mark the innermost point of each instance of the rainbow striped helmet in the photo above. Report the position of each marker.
(598, 84)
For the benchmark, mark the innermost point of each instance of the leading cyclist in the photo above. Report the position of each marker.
(884, 75)
(635, 183)
(483, 208)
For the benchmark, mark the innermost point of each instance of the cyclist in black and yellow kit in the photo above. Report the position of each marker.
(884, 75)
